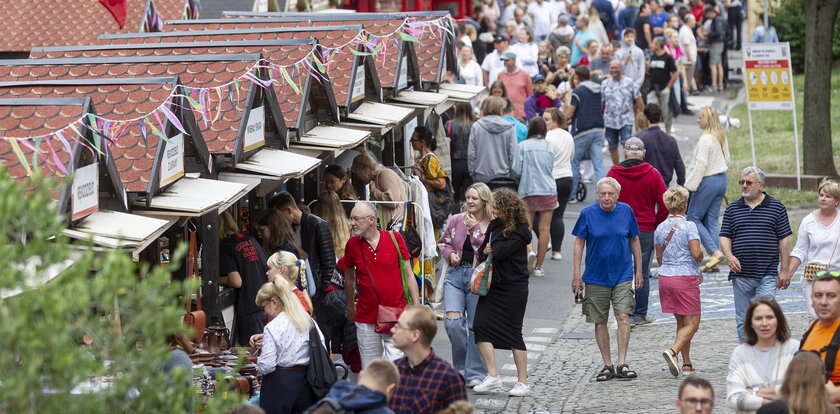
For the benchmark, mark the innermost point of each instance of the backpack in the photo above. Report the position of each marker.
(320, 374)
(327, 405)
(830, 349)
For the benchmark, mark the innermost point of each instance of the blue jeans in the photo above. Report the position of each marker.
(616, 137)
(704, 210)
(457, 298)
(746, 288)
(646, 240)
(592, 144)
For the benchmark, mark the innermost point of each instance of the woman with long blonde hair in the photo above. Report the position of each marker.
(285, 265)
(707, 182)
(284, 356)
(330, 209)
(803, 390)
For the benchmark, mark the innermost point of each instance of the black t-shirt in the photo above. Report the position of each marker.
(641, 41)
(775, 407)
(242, 253)
(661, 68)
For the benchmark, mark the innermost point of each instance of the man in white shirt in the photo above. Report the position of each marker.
(493, 65)
(688, 43)
(542, 14)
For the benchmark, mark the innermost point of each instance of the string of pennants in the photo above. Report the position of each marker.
(206, 103)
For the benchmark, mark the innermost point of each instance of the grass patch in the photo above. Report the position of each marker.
(774, 148)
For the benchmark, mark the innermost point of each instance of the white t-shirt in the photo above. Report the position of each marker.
(688, 43)
(815, 242)
(526, 56)
(494, 66)
(542, 15)
(563, 146)
(471, 73)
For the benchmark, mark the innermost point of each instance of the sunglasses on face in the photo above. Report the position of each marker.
(746, 182)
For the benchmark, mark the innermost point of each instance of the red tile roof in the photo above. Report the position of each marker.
(386, 26)
(199, 71)
(276, 52)
(37, 117)
(114, 99)
(430, 49)
(340, 66)
(32, 23)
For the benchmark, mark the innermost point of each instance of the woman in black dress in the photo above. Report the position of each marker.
(499, 314)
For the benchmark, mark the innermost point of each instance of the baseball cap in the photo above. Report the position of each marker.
(562, 20)
(498, 39)
(634, 144)
(538, 78)
(508, 56)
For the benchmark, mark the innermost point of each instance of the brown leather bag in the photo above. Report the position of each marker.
(196, 319)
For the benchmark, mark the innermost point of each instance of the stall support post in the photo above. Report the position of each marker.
(209, 235)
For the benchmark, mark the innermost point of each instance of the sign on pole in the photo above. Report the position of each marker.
(769, 82)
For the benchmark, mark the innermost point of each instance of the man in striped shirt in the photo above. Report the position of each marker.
(754, 234)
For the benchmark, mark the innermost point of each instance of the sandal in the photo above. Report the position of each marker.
(671, 360)
(624, 373)
(607, 373)
(687, 369)
(711, 264)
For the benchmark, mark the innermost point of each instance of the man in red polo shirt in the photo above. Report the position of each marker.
(371, 263)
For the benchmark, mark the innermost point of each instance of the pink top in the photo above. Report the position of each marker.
(518, 85)
(675, 52)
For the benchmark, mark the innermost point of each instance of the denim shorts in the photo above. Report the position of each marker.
(616, 136)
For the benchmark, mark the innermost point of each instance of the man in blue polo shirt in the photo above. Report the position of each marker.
(610, 234)
(754, 234)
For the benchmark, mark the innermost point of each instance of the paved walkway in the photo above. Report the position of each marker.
(562, 371)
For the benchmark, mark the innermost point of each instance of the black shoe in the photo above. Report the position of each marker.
(687, 112)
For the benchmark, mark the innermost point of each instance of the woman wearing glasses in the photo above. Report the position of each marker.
(758, 365)
(707, 182)
(817, 238)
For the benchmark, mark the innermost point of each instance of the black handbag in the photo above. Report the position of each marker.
(440, 204)
(409, 231)
(320, 374)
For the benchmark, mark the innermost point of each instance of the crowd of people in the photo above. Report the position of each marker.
(569, 82)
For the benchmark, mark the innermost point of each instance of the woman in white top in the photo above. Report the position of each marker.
(597, 27)
(707, 182)
(527, 51)
(757, 367)
(564, 145)
(817, 238)
(285, 350)
(468, 68)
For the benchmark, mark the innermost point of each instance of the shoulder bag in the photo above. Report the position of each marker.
(195, 320)
(320, 373)
(440, 200)
(482, 275)
(387, 316)
(811, 269)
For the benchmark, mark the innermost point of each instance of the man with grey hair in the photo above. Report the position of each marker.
(609, 232)
(754, 234)
(621, 101)
(372, 262)
(643, 188)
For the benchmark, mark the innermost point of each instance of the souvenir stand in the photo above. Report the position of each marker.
(349, 65)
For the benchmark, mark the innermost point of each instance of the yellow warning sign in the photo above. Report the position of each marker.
(767, 76)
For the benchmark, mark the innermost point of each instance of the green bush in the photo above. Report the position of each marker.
(789, 20)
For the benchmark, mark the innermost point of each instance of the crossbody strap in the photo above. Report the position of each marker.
(671, 234)
(401, 263)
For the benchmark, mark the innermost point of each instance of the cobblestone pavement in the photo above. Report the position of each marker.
(562, 377)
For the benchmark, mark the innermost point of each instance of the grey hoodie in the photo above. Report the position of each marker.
(492, 148)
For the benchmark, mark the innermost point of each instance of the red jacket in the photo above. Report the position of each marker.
(642, 188)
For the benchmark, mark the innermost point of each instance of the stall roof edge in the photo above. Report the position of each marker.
(97, 81)
(132, 59)
(277, 42)
(84, 102)
(231, 31)
(345, 16)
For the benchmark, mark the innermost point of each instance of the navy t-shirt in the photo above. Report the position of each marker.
(609, 260)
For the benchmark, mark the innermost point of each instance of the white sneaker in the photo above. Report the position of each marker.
(473, 382)
(520, 390)
(532, 261)
(556, 256)
(539, 272)
(489, 384)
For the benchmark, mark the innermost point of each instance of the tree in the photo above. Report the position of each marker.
(820, 16)
(98, 318)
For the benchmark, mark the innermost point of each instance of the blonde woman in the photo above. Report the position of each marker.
(678, 253)
(803, 390)
(284, 356)
(468, 68)
(330, 209)
(597, 27)
(818, 236)
(707, 182)
(285, 265)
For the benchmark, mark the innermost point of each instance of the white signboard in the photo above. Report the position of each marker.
(255, 129)
(358, 84)
(767, 74)
(84, 193)
(402, 73)
(172, 166)
(408, 130)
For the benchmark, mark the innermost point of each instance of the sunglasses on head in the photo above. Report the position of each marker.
(832, 273)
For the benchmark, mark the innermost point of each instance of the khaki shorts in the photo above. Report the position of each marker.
(596, 305)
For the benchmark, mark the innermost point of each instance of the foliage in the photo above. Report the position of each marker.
(789, 20)
(773, 131)
(43, 355)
